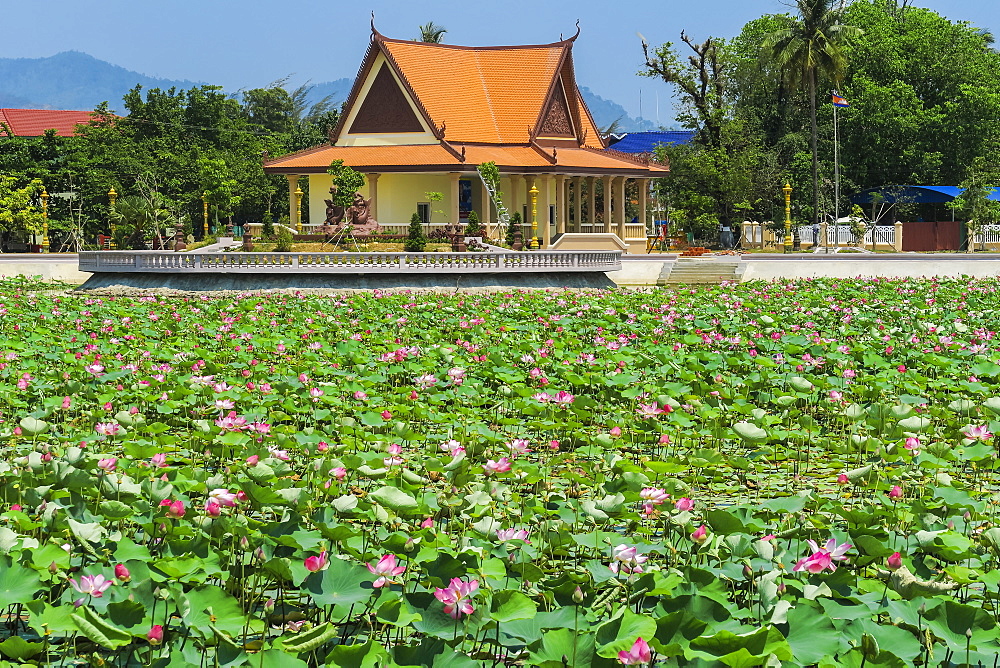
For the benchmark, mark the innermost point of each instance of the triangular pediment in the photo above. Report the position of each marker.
(385, 108)
(557, 120)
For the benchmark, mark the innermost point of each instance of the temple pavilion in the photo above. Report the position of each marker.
(421, 117)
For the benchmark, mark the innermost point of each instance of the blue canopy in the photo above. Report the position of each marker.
(913, 194)
(646, 142)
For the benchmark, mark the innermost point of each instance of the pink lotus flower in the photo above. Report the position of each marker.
(425, 381)
(175, 509)
(912, 443)
(155, 635)
(823, 557)
(654, 495)
(563, 397)
(94, 369)
(684, 504)
(212, 509)
(360, 396)
(223, 497)
(427, 523)
(626, 559)
(107, 428)
(314, 564)
(500, 466)
(977, 433)
(894, 561)
(338, 472)
(252, 460)
(541, 397)
(66, 402)
(94, 585)
(519, 446)
(503, 535)
(386, 569)
(896, 492)
(842, 479)
(122, 573)
(638, 655)
(700, 535)
(159, 460)
(456, 597)
(231, 422)
(315, 392)
(652, 410)
(616, 432)
(108, 464)
(386, 415)
(835, 395)
(456, 375)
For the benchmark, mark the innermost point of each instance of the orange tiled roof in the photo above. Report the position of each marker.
(436, 157)
(481, 94)
(34, 122)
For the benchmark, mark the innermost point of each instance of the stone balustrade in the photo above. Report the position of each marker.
(349, 263)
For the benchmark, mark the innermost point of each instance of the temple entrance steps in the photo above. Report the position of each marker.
(707, 271)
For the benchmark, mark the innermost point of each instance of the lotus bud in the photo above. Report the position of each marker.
(578, 595)
(894, 561)
(122, 573)
(53, 568)
(269, 606)
(155, 635)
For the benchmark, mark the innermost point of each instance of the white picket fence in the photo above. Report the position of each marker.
(883, 235)
(990, 234)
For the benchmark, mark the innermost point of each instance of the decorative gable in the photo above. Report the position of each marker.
(385, 108)
(557, 120)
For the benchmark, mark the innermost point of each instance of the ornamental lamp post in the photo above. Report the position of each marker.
(204, 211)
(788, 217)
(298, 210)
(45, 220)
(112, 198)
(534, 217)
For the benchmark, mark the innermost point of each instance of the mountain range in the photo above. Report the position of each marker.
(76, 80)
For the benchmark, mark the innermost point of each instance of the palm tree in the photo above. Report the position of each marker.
(431, 32)
(812, 46)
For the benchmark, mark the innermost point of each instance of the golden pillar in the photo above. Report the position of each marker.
(298, 210)
(112, 197)
(788, 217)
(534, 217)
(45, 220)
(204, 210)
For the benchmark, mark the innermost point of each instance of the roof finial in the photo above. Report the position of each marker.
(573, 38)
(375, 32)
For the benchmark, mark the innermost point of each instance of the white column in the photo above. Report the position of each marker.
(560, 204)
(453, 203)
(606, 183)
(373, 195)
(620, 206)
(293, 185)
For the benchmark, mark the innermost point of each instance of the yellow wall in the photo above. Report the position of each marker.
(398, 195)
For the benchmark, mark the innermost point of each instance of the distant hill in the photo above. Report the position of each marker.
(75, 80)
(606, 112)
(70, 80)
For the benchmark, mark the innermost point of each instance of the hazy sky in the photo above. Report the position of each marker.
(251, 42)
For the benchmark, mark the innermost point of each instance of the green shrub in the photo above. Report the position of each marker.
(475, 228)
(267, 228)
(416, 241)
(515, 224)
(284, 240)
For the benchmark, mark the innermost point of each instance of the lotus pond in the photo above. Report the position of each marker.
(766, 474)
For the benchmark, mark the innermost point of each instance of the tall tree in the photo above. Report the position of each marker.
(812, 46)
(431, 32)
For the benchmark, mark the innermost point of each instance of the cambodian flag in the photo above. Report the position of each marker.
(840, 101)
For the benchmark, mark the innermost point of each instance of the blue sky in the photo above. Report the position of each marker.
(251, 42)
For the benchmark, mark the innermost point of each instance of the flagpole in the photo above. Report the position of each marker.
(836, 181)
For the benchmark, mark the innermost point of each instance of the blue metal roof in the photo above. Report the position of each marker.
(646, 142)
(913, 194)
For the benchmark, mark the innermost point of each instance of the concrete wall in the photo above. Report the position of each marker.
(47, 269)
(883, 266)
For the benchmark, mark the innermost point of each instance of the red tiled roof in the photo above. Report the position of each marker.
(34, 122)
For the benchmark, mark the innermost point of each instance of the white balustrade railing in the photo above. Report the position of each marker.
(840, 235)
(170, 262)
